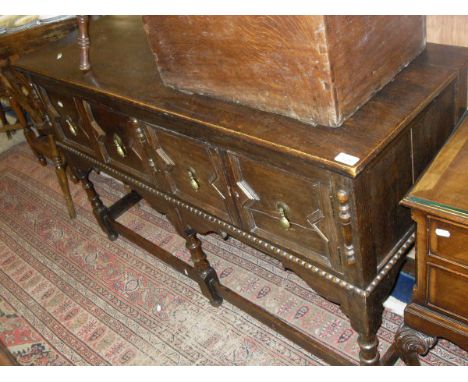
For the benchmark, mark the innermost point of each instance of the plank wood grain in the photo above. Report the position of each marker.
(316, 69)
(450, 30)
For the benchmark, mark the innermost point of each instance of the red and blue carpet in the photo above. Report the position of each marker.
(69, 296)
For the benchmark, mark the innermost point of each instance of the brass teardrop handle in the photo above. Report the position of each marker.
(71, 127)
(193, 180)
(119, 146)
(284, 221)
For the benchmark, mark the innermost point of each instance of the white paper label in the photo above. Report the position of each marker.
(442, 232)
(347, 159)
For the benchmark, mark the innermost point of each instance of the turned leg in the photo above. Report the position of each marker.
(63, 182)
(366, 317)
(410, 344)
(368, 344)
(207, 275)
(100, 211)
(60, 171)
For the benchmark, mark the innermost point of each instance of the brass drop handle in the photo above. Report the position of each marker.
(193, 181)
(71, 127)
(119, 146)
(284, 221)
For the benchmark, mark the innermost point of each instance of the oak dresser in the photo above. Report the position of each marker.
(323, 201)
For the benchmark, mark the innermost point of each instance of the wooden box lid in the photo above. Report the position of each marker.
(316, 69)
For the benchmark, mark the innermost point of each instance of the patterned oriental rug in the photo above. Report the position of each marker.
(69, 296)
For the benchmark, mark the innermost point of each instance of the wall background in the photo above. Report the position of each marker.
(451, 30)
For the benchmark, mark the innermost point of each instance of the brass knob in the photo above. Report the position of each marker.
(119, 146)
(71, 127)
(193, 181)
(284, 221)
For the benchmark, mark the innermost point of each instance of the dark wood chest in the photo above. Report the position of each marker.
(317, 69)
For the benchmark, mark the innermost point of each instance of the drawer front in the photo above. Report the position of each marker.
(70, 126)
(287, 209)
(447, 291)
(194, 171)
(122, 142)
(449, 240)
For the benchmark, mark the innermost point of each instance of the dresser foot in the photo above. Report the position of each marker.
(366, 317)
(207, 277)
(208, 282)
(410, 344)
(100, 211)
(368, 353)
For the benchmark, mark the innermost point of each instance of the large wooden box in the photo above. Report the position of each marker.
(317, 69)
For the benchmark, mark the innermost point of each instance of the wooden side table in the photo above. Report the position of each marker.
(17, 89)
(439, 204)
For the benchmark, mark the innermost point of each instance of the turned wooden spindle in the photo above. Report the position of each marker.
(345, 220)
(83, 42)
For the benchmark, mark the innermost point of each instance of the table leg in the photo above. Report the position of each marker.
(60, 171)
(101, 212)
(208, 279)
(366, 317)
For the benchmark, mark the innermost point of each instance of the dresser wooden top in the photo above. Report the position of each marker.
(443, 188)
(124, 68)
(33, 38)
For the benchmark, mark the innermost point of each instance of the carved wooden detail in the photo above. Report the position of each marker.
(346, 229)
(193, 171)
(410, 343)
(284, 206)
